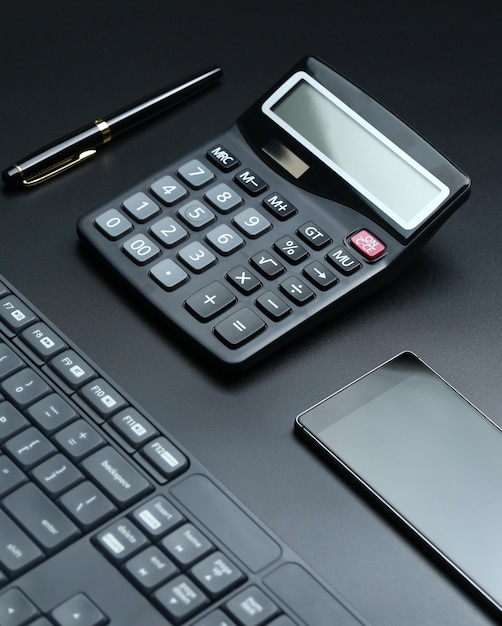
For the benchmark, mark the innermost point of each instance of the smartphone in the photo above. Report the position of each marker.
(426, 453)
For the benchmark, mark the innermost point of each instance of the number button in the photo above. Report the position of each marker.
(223, 198)
(196, 215)
(168, 274)
(224, 239)
(140, 249)
(197, 257)
(210, 301)
(140, 207)
(168, 190)
(168, 232)
(113, 224)
(252, 223)
(195, 174)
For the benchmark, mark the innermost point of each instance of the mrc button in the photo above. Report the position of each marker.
(367, 244)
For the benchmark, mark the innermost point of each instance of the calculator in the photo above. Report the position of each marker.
(313, 199)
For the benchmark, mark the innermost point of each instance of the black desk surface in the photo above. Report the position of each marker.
(437, 65)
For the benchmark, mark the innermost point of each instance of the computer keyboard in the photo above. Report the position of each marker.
(106, 519)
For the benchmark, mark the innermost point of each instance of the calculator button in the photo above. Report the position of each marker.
(113, 224)
(239, 327)
(210, 301)
(291, 250)
(224, 239)
(195, 174)
(168, 274)
(273, 306)
(367, 245)
(168, 190)
(313, 235)
(320, 275)
(279, 206)
(222, 158)
(241, 278)
(197, 257)
(252, 223)
(250, 182)
(196, 215)
(140, 249)
(168, 232)
(140, 207)
(343, 260)
(223, 198)
(267, 264)
(296, 290)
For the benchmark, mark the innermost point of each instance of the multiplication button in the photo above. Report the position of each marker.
(239, 328)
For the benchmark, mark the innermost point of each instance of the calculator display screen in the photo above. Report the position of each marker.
(365, 158)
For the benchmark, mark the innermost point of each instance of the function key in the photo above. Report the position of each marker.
(279, 206)
(140, 207)
(343, 260)
(368, 245)
(195, 174)
(168, 190)
(165, 457)
(222, 158)
(290, 250)
(15, 313)
(133, 426)
(102, 397)
(72, 369)
(113, 224)
(43, 341)
(251, 182)
(313, 235)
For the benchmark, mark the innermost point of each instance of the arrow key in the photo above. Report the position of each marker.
(15, 608)
(320, 275)
(78, 611)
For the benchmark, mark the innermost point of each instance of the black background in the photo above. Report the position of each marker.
(437, 65)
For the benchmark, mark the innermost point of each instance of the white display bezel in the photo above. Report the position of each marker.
(408, 224)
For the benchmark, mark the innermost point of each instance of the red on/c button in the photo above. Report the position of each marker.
(367, 244)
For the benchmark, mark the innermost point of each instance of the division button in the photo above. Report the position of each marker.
(296, 290)
(239, 328)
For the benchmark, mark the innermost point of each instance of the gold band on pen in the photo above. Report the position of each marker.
(104, 129)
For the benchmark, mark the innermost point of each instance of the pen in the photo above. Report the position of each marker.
(80, 145)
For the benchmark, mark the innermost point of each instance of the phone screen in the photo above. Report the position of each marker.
(428, 454)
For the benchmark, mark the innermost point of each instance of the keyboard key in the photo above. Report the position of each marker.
(78, 611)
(56, 475)
(252, 607)
(17, 551)
(9, 361)
(102, 397)
(28, 448)
(10, 476)
(186, 545)
(133, 427)
(217, 575)
(157, 517)
(86, 505)
(116, 476)
(180, 599)
(16, 609)
(165, 457)
(15, 314)
(121, 540)
(24, 387)
(11, 421)
(72, 368)
(216, 618)
(78, 440)
(150, 569)
(44, 342)
(40, 517)
(51, 413)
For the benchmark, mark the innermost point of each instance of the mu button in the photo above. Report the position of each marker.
(239, 327)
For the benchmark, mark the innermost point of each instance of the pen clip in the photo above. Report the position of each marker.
(58, 168)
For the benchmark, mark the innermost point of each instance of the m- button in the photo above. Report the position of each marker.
(209, 301)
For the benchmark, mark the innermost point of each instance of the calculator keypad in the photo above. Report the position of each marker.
(188, 225)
